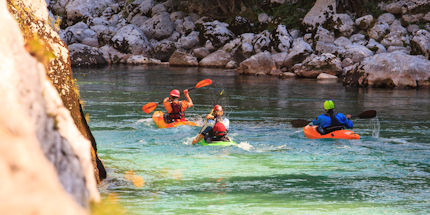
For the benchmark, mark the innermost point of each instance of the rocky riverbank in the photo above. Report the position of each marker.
(355, 47)
(48, 163)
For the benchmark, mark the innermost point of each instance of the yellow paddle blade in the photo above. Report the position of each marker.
(148, 108)
(203, 83)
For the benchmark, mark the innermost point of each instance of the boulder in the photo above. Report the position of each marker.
(320, 13)
(231, 65)
(104, 33)
(420, 43)
(394, 7)
(324, 35)
(295, 33)
(216, 32)
(217, 59)
(162, 50)
(279, 58)
(111, 55)
(390, 70)
(138, 20)
(287, 75)
(140, 59)
(201, 52)
(405, 50)
(364, 22)
(412, 18)
(298, 53)
(189, 41)
(158, 9)
(81, 10)
(386, 18)
(143, 7)
(357, 52)
(158, 27)
(263, 18)
(342, 42)
(259, 64)
(314, 65)
(413, 28)
(398, 36)
(358, 39)
(343, 24)
(261, 41)
(77, 33)
(83, 55)
(375, 46)
(280, 39)
(181, 58)
(177, 15)
(130, 39)
(378, 31)
(325, 76)
(323, 47)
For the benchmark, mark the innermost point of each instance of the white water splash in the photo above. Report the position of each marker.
(375, 126)
(188, 141)
(245, 146)
(146, 121)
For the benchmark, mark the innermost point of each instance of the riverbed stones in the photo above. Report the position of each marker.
(376, 47)
(141, 59)
(258, 64)
(378, 31)
(111, 55)
(325, 76)
(201, 52)
(181, 58)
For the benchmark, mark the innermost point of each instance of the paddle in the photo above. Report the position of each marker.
(148, 108)
(206, 120)
(298, 123)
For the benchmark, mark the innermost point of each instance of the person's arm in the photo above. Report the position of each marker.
(167, 105)
(187, 96)
(345, 120)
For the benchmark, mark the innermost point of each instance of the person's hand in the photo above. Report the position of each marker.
(209, 116)
(186, 92)
(166, 99)
(348, 116)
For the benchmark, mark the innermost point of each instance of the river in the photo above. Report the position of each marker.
(276, 170)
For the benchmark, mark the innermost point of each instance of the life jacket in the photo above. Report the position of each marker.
(335, 124)
(176, 114)
(219, 130)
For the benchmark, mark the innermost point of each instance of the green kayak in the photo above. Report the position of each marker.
(217, 143)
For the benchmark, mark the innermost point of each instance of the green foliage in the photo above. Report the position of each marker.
(372, 8)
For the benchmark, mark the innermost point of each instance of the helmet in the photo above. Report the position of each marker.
(217, 108)
(175, 93)
(328, 105)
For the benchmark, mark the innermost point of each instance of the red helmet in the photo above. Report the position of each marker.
(175, 93)
(217, 108)
(219, 128)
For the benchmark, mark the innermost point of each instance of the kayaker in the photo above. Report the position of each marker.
(217, 129)
(331, 121)
(175, 108)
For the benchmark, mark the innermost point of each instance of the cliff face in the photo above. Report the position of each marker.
(33, 19)
(42, 153)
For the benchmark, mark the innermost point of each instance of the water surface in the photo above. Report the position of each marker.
(277, 170)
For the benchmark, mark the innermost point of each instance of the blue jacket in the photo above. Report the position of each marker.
(324, 121)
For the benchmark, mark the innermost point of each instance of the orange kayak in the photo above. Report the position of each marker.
(312, 133)
(158, 118)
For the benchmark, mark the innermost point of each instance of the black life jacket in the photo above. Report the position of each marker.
(335, 124)
(176, 113)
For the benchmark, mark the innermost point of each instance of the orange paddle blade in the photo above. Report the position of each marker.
(203, 83)
(148, 108)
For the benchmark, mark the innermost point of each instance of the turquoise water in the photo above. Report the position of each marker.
(276, 170)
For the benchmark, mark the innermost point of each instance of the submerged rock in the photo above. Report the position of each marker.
(219, 58)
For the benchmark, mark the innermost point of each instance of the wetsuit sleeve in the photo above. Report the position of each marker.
(168, 107)
(345, 121)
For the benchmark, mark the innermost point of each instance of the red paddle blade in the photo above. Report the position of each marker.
(367, 114)
(203, 83)
(148, 108)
